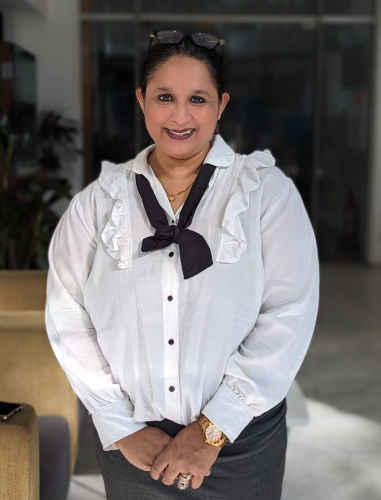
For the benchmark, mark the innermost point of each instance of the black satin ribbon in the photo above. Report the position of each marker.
(195, 254)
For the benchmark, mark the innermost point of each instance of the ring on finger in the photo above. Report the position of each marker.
(183, 481)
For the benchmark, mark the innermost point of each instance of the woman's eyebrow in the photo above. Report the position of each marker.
(201, 92)
(169, 89)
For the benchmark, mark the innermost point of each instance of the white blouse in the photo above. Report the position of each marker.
(138, 342)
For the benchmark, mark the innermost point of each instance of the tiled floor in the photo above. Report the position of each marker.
(337, 455)
(88, 487)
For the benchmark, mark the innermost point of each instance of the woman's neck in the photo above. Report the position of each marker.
(174, 172)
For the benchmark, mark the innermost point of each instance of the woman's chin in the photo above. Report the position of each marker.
(177, 146)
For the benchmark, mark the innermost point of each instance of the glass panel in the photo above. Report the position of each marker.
(233, 6)
(18, 105)
(108, 6)
(347, 7)
(109, 120)
(345, 140)
(271, 87)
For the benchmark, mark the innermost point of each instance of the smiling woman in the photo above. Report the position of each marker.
(183, 344)
(182, 100)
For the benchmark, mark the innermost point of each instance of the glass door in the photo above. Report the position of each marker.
(299, 76)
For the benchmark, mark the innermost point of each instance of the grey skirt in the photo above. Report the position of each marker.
(251, 468)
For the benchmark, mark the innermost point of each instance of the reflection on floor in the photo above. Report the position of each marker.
(337, 455)
(89, 487)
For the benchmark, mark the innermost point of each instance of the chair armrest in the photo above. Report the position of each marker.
(30, 372)
(19, 456)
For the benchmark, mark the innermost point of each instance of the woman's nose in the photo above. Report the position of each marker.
(181, 113)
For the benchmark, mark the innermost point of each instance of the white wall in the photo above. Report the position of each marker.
(39, 5)
(25, 5)
(54, 39)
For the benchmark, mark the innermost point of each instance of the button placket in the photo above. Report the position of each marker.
(170, 330)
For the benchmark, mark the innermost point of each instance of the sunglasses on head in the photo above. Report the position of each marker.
(174, 37)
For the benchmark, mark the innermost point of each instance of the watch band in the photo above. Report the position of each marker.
(205, 423)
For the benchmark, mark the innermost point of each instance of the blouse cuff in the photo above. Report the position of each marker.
(115, 421)
(228, 412)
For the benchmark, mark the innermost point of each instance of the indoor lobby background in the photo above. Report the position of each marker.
(304, 78)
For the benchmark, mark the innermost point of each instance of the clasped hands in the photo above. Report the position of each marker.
(153, 450)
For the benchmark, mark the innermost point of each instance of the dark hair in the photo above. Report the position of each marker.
(161, 53)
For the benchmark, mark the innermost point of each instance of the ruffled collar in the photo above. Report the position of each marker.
(117, 233)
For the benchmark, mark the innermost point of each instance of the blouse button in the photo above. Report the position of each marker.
(171, 254)
(170, 297)
(173, 221)
(171, 341)
(171, 388)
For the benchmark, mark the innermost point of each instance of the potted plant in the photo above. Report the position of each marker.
(27, 219)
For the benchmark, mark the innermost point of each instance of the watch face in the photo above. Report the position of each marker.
(213, 433)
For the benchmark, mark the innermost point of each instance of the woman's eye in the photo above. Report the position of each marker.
(200, 99)
(164, 95)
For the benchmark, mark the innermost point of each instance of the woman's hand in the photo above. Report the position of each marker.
(186, 453)
(142, 447)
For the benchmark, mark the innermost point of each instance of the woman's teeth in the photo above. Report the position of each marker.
(187, 132)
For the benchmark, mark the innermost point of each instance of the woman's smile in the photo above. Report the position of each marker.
(180, 136)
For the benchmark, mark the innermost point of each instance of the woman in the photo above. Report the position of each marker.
(182, 342)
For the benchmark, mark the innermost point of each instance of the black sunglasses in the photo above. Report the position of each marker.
(174, 37)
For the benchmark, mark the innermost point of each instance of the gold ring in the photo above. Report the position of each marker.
(183, 481)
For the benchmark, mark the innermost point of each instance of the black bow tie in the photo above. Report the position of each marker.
(195, 253)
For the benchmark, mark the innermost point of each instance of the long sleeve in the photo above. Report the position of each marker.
(72, 335)
(259, 374)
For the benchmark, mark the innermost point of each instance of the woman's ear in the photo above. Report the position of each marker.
(224, 101)
(140, 98)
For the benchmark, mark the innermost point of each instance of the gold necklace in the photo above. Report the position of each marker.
(171, 196)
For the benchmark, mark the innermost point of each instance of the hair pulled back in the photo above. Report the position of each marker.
(161, 53)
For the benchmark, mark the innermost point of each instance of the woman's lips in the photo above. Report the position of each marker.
(179, 137)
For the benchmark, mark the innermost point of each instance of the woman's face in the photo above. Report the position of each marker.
(181, 96)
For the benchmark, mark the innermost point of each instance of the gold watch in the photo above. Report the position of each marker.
(212, 434)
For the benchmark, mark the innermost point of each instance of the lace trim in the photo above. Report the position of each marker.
(117, 233)
(233, 240)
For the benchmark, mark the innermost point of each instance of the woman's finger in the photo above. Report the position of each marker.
(170, 475)
(196, 481)
(159, 465)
